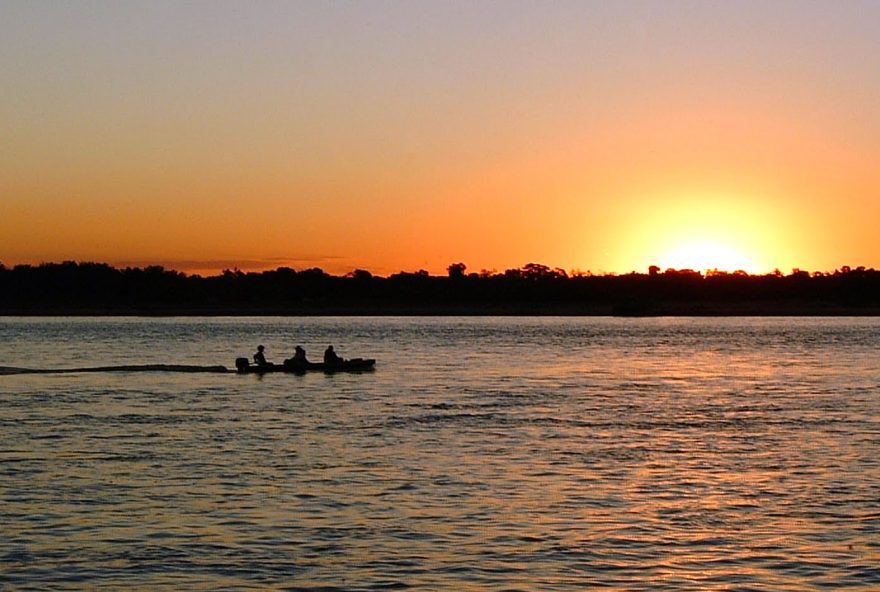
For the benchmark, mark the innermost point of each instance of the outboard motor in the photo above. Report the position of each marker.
(241, 364)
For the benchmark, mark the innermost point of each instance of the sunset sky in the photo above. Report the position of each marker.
(602, 136)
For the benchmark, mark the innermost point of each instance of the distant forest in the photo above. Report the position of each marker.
(72, 288)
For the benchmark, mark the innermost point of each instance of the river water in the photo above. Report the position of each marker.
(481, 454)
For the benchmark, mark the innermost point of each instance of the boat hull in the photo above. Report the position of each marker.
(353, 365)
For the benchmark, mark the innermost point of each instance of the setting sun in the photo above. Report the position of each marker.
(395, 136)
(709, 227)
(706, 255)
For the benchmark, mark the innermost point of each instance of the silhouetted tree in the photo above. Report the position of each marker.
(95, 287)
(456, 270)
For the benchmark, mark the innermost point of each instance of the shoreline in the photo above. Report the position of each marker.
(671, 309)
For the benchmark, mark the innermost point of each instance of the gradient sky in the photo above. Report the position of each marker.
(602, 136)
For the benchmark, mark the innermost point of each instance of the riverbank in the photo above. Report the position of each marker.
(627, 309)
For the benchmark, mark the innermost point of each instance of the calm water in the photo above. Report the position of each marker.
(482, 454)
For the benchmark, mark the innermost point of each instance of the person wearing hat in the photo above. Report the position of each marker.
(298, 361)
(299, 355)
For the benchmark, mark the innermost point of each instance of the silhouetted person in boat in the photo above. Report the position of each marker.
(298, 360)
(330, 357)
(299, 356)
(260, 357)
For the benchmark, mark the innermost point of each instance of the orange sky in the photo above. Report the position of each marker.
(409, 135)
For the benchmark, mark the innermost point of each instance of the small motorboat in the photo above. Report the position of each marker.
(244, 366)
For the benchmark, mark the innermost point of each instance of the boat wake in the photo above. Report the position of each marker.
(6, 370)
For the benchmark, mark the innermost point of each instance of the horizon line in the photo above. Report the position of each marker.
(535, 267)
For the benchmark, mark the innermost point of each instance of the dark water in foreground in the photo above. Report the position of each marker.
(482, 454)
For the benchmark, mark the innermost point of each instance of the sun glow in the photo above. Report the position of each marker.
(704, 255)
(705, 229)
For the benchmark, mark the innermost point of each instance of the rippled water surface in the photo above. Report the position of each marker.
(481, 454)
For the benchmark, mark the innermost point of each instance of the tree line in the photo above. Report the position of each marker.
(97, 288)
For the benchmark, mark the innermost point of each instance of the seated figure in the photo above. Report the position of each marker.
(260, 357)
(298, 359)
(330, 357)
